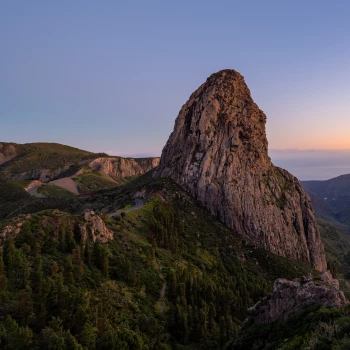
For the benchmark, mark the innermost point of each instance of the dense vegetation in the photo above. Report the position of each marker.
(14, 200)
(172, 277)
(314, 328)
(51, 190)
(13, 191)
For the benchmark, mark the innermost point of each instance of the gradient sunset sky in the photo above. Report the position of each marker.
(111, 76)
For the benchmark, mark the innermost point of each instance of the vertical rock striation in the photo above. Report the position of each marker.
(218, 152)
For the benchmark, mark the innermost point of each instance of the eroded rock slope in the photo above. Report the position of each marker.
(289, 297)
(118, 167)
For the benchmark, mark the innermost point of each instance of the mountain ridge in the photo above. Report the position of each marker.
(51, 161)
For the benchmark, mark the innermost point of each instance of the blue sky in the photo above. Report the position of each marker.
(112, 75)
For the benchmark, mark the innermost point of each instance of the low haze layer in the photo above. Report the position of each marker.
(313, 164)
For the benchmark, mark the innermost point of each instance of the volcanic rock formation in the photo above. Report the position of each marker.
(289, 297)
(218, 153)
(118, 167)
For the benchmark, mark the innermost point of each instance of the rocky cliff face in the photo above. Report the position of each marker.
(115, 167)
(289, 297)
(94, 228)
(43, 175)
(121, 167)
(218, 153)
(90, 227)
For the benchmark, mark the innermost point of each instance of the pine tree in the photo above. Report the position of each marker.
(87, 253)
(24, 305)
(15, 337)
(222, 332)
(38, 288)
(211, 315)
(25, 273)
(3, 279)
(68, 270)
(62, 239)
(104, 262)
(78, 263)
(10, 260)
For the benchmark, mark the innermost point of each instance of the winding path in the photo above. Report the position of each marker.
(138, 204)
(32, 187)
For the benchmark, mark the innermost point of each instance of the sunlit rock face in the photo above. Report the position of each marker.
(94, 228)
(218, 153)
(118, 167)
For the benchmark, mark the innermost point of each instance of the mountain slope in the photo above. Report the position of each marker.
(33, 157)
(170, 276)
(49, 161)
(218, 153)
(331, 198)
(332, 188)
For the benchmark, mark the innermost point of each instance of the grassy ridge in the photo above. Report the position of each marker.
(92, 181)
(52, 156)
(54, 191)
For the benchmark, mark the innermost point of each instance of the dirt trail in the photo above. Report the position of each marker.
(67, 183)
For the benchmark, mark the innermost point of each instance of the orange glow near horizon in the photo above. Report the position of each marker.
(305, 132)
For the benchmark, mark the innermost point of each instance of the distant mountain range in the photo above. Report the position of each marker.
(331, 198)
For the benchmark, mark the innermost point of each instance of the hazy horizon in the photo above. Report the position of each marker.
(305, 164)
(313, 164)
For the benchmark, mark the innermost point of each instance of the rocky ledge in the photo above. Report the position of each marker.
(91, 226)
(94, 228)
(289, 297)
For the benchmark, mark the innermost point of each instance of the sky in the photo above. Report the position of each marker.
(111, 76)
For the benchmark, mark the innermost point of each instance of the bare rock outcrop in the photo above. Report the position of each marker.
(289, 297)
(42, 174)
(94, 228)
(218, 152)
(91, 226)
(118, 167)
(12, 228)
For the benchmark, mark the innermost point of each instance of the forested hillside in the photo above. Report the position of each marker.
(172, 276)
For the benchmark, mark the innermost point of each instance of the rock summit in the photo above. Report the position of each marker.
(218, 152)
